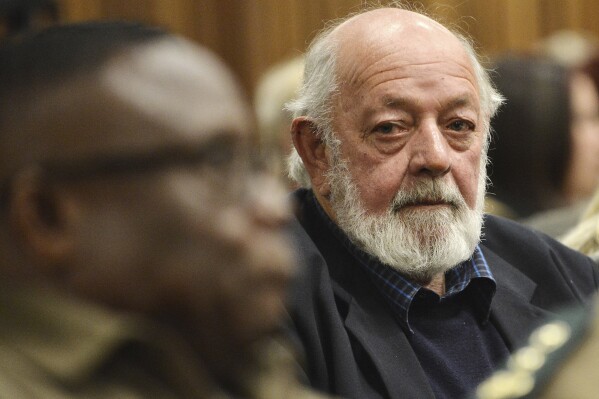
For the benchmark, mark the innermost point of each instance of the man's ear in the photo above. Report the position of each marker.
(40, 216)
(312, 149)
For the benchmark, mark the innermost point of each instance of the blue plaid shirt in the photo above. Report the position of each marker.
(401, 292)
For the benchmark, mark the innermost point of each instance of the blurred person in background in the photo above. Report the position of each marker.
(559, 360)
(570, 48)
(584, 237)
(141, 257)
(582, 172)
(276, 87)
(530, 148)
(545, 153)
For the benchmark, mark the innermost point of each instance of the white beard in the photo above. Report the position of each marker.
(419, 243)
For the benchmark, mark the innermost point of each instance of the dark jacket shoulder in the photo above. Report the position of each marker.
(553, 266)
(351, 341)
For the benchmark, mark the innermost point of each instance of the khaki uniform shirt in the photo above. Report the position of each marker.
(57, 347)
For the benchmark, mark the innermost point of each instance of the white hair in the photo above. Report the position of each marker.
(316, 95)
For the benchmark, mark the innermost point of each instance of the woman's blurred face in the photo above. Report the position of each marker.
(583, 174)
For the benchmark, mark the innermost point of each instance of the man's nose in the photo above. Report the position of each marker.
(430, 151)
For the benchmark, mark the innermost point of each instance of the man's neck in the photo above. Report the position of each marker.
(437, 284)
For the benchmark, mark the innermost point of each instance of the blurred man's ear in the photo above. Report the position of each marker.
(312, 149)
(40, 216)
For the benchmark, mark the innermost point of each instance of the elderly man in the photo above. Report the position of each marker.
(140, 257)
(402, 298)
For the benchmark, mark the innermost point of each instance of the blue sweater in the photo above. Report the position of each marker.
(455, 349)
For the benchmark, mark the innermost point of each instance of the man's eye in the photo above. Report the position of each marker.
(461, 126)
(386, 128)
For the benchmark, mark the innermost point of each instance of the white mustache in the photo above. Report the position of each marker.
(428, 192)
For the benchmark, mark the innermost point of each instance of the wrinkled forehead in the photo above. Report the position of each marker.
(377, 21)
(392, 38)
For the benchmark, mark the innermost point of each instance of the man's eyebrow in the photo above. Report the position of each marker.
(459, 102)
(400, 102)
(395, 102)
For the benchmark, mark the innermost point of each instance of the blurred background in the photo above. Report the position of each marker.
(544, 53)
(252, 35)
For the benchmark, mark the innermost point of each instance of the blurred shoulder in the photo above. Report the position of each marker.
(506, 236)
(559, 361)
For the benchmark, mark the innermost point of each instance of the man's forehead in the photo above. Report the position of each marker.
(388, 18)
(397, 37)
(406, 51)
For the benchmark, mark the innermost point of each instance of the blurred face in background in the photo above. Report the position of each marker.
(582, 178)
(165, 215)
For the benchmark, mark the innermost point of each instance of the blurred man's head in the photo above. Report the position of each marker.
(125, 171)
(392, 130)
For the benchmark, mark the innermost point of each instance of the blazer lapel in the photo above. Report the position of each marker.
(384, 342)
(511, 308)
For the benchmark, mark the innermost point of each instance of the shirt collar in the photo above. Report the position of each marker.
(400, 292)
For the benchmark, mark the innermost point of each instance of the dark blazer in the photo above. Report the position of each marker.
(354, 348)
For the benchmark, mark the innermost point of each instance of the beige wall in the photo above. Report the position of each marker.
(251, 35)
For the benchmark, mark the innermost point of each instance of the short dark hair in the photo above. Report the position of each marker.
(64, 51)
(41, 60)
